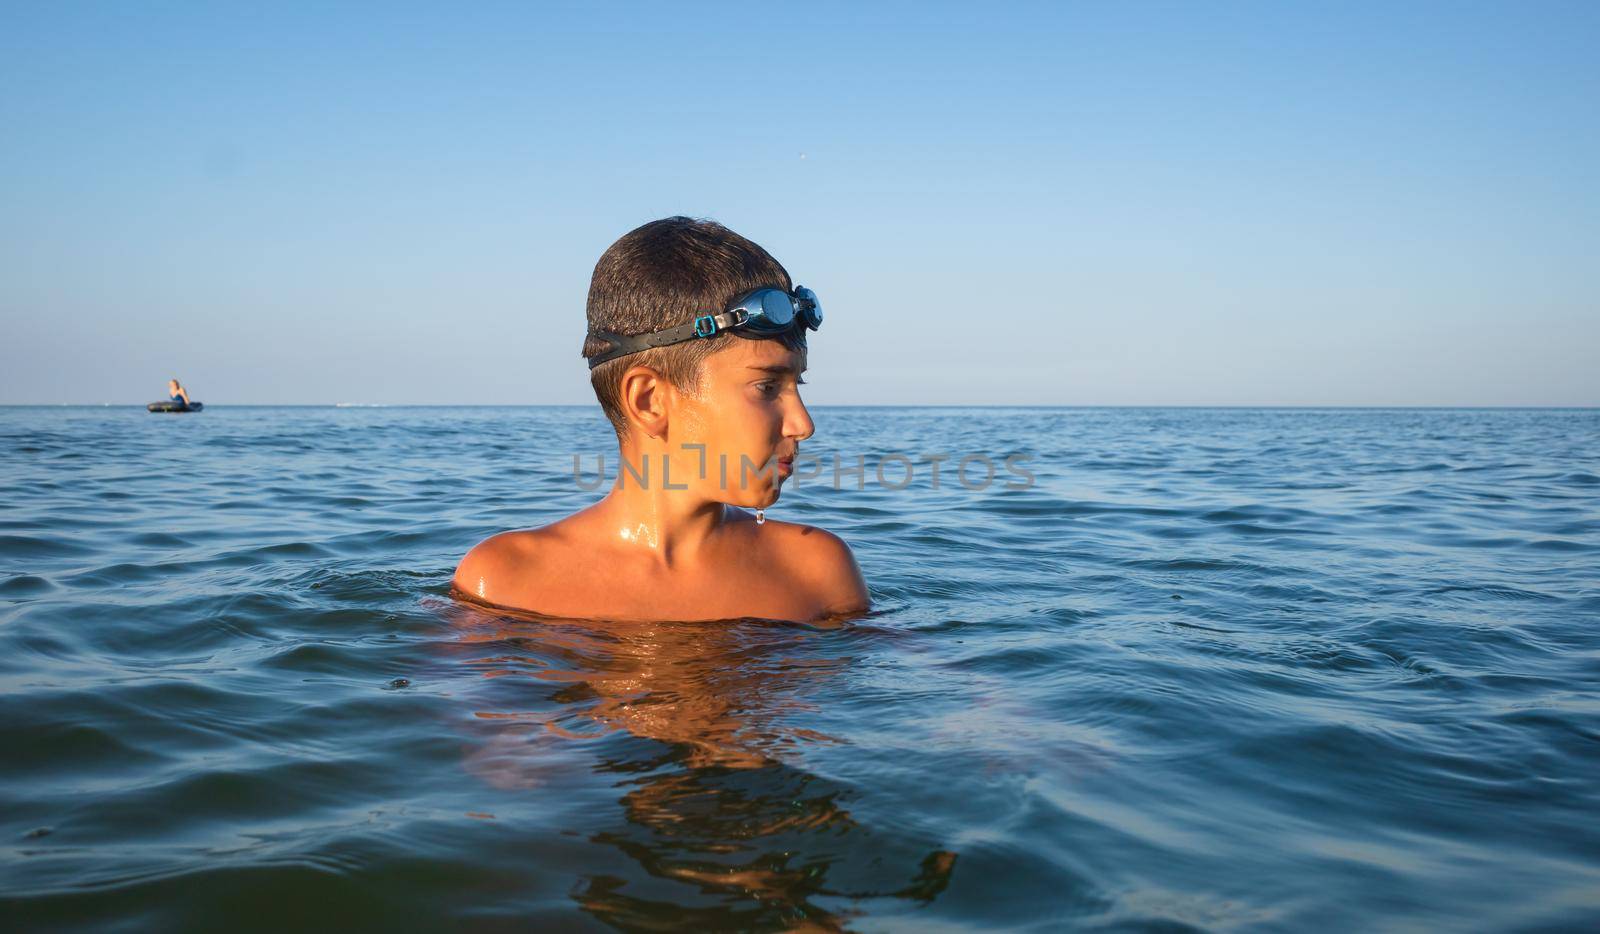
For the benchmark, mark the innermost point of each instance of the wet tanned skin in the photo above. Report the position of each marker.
(649, 552)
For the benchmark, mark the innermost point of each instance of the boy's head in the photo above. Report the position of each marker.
(664, 274)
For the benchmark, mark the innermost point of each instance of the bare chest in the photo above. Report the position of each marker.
(596, 590)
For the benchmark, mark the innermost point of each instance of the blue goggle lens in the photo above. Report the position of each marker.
(775, 309)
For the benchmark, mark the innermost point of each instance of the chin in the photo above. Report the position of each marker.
(758, 498)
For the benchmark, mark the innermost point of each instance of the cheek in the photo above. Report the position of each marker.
(753, 425)
(692, 424)
(699, 420)
(728, 420)
(722, 430)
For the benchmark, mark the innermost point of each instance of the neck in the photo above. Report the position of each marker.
(646, 516)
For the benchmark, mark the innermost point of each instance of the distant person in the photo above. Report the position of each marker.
(177, 393)
(697, 339)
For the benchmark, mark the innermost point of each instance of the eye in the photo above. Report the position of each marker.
(768, 387)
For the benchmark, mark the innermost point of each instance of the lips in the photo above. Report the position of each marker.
(786, 465)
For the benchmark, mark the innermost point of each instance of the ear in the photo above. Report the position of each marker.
(644, 400)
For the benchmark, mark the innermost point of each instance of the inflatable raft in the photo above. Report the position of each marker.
(175, 407)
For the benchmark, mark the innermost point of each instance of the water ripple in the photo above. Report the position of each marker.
(1215, 669)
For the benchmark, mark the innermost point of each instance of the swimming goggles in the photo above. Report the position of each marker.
(761, 313)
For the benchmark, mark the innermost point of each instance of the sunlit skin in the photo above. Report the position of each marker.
(655, 552)
(175, 391)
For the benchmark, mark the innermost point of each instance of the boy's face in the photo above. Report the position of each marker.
(748, 407)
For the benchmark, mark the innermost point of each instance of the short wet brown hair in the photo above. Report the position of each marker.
(663, 274)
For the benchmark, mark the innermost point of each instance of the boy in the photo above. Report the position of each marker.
(696, 345)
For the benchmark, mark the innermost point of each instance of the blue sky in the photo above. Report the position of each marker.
(1066, 203)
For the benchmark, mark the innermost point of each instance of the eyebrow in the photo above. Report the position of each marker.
(777, 369)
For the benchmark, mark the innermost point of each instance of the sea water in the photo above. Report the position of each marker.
(1198, 670)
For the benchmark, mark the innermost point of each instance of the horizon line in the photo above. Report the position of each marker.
(829, 405)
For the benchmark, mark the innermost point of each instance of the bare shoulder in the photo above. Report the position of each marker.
(825, 564)
(491, 571)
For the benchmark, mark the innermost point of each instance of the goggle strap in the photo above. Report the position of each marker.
(624, 344)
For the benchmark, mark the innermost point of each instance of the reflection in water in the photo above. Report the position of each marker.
(730, 830)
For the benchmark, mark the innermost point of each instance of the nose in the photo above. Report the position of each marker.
(797, 421)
